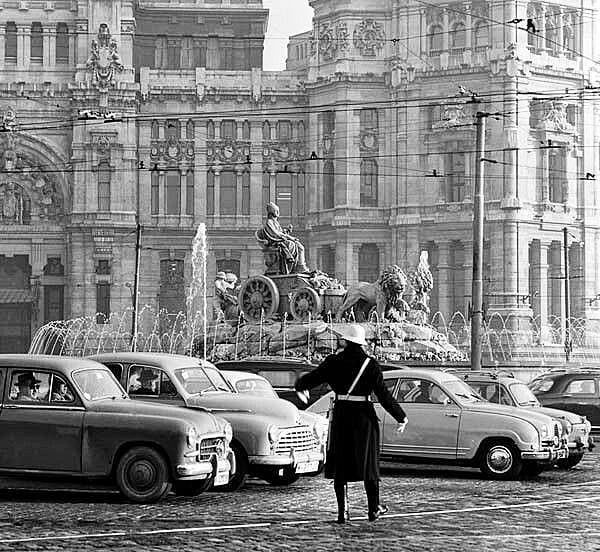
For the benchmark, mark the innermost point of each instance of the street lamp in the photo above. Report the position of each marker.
(568, 338)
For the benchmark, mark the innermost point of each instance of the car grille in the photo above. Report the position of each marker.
(555, 440)
(299, 439)
(211, 447)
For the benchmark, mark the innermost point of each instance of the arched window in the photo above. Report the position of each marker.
(173, 192)
(37, 43)
(246, 130)
(436, 39)
(210, 130)
(368, 183)
(368, 262)
(228, 130)
(228, 193)
(10, 48)
(481, 35)
(458, 39)
(328, 185)
(104, 186)
(62, 43)
(155, 130)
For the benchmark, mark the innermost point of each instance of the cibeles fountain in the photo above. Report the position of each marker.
(288, 311)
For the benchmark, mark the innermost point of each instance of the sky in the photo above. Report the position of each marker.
(286, 17)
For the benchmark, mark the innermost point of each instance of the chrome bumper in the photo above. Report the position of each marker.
(202, 470)
(291, 459)
(547, 455)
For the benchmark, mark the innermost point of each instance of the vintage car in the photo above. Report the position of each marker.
(449, 423)
(504, 388)
(63, 416)
(573, 389)
(270, 438)
(281, 374)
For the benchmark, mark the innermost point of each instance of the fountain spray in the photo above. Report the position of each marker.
(197, 287)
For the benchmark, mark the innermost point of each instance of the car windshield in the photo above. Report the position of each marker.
(199, 379)
(523, 395)
(541, 385)
(462, 390)
(255, 386)
(96, 384)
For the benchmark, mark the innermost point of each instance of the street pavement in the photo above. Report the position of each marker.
(431, 508)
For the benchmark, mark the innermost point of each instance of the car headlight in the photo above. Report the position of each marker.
(274, 432)
(568, 427)
(228, 432)
(544, 431)
(192, 437)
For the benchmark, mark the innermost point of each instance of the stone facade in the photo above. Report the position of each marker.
(160, 112)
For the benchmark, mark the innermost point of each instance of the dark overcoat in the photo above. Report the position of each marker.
(353, 452)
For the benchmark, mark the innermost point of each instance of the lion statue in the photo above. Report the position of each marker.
(384, 295)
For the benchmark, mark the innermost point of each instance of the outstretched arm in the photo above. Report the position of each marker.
(386, 399)
(317, 377)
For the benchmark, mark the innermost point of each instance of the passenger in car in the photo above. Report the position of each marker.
(424, 395)
(60, 392)
(134, 380)
(148, 381)
(28, 386)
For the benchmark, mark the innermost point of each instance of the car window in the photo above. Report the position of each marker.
(523, 395)
(279, 378)
(61, 391)
(390, 384)
(167, 387)
(27, 386)
(541, 385)
(198, 379)
(143, 380)
(96, 384)
(255, 386)
(581, 387)
(420, 391)
(115, 368)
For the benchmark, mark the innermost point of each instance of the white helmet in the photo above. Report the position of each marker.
(354, 333)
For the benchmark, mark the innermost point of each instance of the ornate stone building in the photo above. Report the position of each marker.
(160, 112)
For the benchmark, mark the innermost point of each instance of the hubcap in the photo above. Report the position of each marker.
(142, 475)
(499, 459)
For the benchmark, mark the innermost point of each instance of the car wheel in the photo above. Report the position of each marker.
(238, 479)
(142, 475)
(287, 477)
(570, 462)
(501, 460)
(192, 488)
(532, 469)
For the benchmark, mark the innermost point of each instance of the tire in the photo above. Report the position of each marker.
(500, 460)
(288, 477)
(192, 488)
(532, 469)
(142, 475)
(570, 462)
(238, 479)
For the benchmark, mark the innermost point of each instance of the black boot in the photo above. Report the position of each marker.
(340, 495)
(375, 509)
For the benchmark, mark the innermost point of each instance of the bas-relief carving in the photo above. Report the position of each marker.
(369, 37)
(332, 39)
(104, 61)
(453, 115)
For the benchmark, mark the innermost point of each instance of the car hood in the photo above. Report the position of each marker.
(532, 416)
(282, 412)
(202, 420)
(556, 413)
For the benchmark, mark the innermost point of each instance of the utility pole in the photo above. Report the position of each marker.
(478, 215)
(568, 344)
(136, 287)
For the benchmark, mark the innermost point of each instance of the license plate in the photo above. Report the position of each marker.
(307, 467)
(222, 478)
(563, 453)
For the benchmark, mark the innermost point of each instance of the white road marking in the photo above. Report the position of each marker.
(422, 513)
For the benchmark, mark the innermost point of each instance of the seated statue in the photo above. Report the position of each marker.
(290, 249)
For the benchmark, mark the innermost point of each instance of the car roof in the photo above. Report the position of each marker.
(62, 364)
(235, 376)
(267, 361)
(159, 360)
(416, 373)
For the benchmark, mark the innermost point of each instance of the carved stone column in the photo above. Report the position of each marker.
(23, 45)
(47, 61)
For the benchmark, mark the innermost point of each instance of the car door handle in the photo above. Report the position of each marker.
(451, 414)
(9, 406)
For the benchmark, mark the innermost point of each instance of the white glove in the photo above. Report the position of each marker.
(303, 396)
(401, 427)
